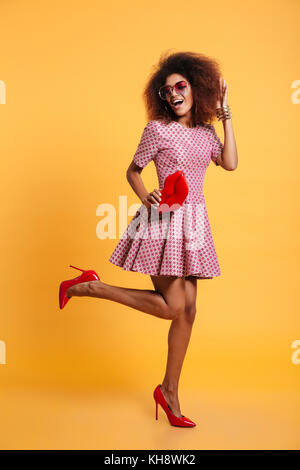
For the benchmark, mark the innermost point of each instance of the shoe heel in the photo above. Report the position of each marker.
(71, 266)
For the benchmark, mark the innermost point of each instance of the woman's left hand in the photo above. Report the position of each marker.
(222, 98)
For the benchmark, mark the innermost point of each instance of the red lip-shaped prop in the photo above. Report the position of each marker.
(174, 192)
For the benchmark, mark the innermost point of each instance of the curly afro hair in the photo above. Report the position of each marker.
(202, 73)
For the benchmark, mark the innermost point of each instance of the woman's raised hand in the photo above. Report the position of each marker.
(152, 199)
(223, 92)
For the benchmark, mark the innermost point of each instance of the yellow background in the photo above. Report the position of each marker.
(83, 377)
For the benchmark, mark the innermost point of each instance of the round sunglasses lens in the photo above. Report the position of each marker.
(180, 87)
(166, 91)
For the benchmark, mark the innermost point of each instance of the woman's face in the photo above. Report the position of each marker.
(185, 95)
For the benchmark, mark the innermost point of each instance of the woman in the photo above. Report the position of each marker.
(182, 97)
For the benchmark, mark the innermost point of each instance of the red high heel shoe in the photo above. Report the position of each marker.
(174, 420)
(174, 192)
(84, 277)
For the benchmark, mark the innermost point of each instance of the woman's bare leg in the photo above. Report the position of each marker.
(178, 340)
(174, 298)
(167, 302)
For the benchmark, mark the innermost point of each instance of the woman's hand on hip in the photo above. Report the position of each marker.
(152, 199)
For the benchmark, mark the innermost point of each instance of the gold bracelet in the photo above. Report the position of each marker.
(223, 113)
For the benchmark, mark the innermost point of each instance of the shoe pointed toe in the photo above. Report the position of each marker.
(63, 302)
(63, 298)
(188, 422)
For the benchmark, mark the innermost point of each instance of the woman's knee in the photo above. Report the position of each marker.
(172, 288)
(176, 310)
(190, 313)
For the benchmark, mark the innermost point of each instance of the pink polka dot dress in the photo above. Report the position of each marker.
(174, 243)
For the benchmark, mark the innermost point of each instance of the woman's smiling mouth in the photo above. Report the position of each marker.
(177, 102)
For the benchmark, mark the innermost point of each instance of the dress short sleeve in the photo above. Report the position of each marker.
(217, 146)
(148, 146)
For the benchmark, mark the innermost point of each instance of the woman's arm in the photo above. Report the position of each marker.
(133, 175)
(229, 158)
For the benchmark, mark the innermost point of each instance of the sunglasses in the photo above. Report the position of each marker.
(167, 90)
